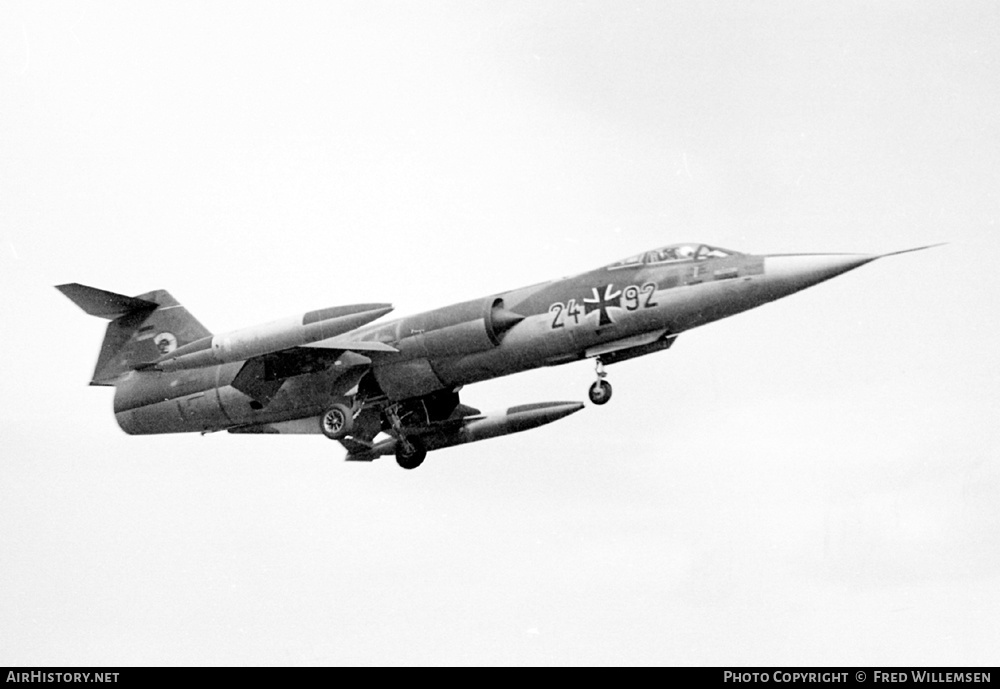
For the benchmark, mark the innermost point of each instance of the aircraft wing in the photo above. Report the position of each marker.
(344, 345)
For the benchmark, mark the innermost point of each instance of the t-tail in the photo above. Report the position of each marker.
(142, 328)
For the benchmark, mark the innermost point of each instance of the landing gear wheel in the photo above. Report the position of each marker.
(336, 422)
(600, 392)
(412, 458)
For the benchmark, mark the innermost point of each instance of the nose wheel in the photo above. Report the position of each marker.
(600, 391)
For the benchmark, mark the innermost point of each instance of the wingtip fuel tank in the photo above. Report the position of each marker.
(472, 429)
(295, 331)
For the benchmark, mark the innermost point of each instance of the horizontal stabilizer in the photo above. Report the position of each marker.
(142, 328)
(98, 302)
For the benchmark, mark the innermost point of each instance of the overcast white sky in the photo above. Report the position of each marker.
(814, 482)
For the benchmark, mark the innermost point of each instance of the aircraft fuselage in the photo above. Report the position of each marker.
(612, 313)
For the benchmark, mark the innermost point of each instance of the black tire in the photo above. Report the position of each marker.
(413, 459)
(600, 392)
(336, 422)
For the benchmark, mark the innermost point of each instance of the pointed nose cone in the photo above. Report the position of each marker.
(785, 274)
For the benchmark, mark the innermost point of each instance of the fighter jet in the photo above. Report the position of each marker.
(392, 388)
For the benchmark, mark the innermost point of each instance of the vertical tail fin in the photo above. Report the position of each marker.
(141, 328)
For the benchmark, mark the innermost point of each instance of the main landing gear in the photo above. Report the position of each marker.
(410, 452)
(600, 391)
(337, 421)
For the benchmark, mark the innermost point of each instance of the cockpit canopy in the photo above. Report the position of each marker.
(674, 253)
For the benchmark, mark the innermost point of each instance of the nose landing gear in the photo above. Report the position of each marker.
(600, 391)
